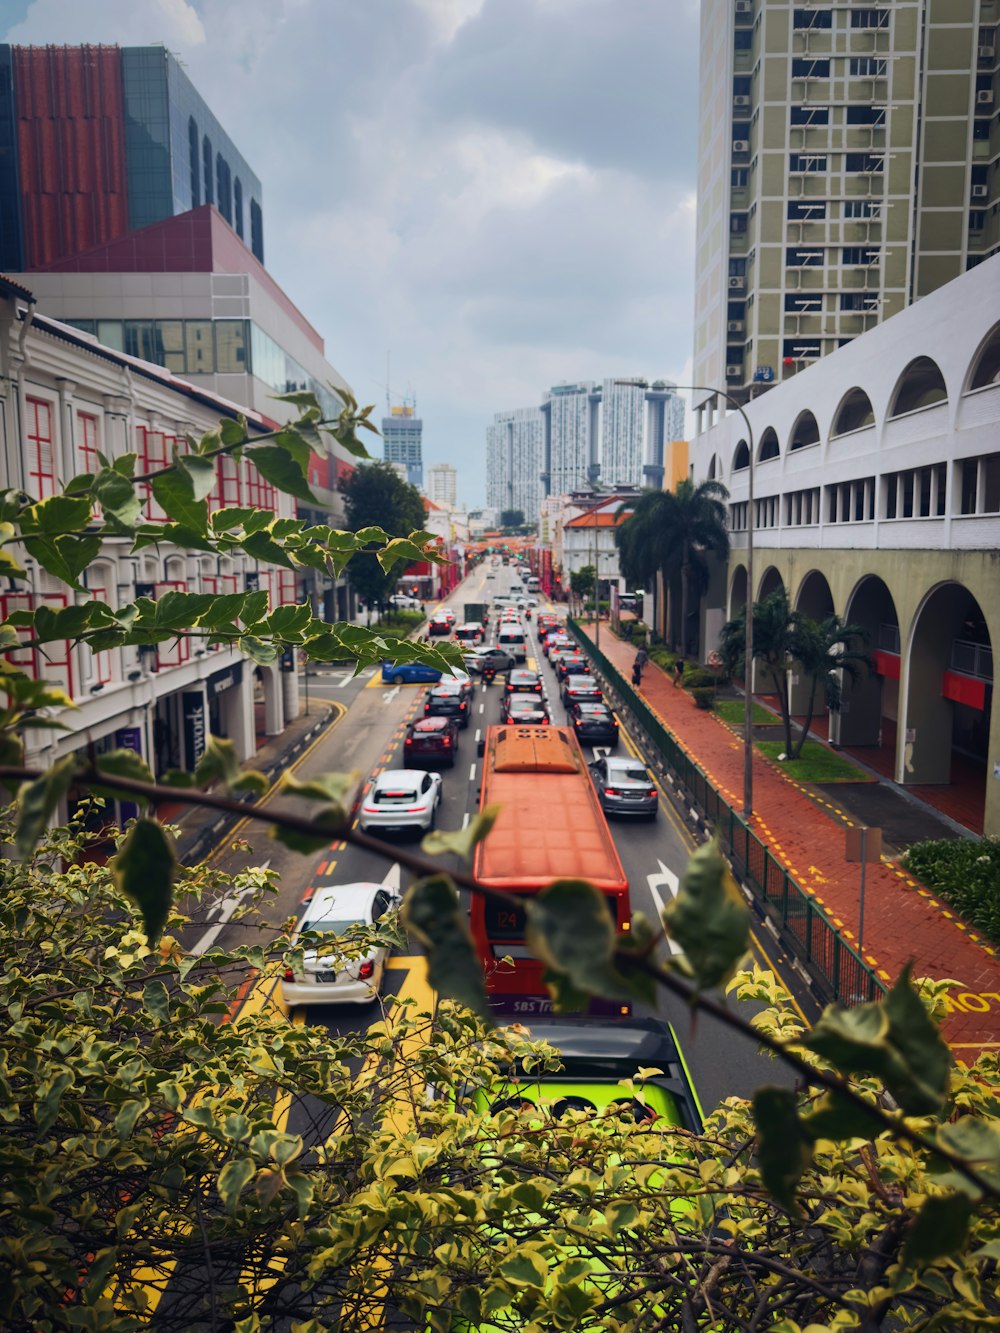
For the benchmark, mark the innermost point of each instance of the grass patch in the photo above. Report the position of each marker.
(731, 710)
(965, 873)
(815, 764)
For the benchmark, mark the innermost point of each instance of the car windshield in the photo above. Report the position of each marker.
(331, 926)
(395, 797)
(631, 773)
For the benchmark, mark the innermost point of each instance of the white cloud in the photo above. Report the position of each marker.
(499, 191)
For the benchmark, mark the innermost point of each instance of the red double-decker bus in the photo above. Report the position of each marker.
(551, 826)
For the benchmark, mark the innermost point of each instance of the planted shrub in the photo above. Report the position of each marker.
(697, 678)
(966, 873)
(703, 697)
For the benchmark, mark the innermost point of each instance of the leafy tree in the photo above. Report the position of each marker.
(673, 533)
(146, 1144)
(512, 518)
(783, 638)
(376, 496)
(581, 581)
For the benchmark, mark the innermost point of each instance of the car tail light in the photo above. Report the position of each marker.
(289, 974)
(611, 791)
(409, 740)
(366, 969)
(447, 740)
(614, 723)
(463, 705)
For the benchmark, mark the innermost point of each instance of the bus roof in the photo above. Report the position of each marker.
(551, 825)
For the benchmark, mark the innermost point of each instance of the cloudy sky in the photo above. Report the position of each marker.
(498, 193)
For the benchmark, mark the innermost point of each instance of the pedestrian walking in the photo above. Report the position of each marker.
(641, 658)
(636, 674)
(679, 672)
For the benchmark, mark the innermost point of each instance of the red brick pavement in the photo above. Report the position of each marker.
(903, 920)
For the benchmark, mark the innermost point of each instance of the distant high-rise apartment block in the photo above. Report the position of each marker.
(442, 484)
(847, 167)
(514, 461)
(614, 433)
(100, 141)
(402, 436)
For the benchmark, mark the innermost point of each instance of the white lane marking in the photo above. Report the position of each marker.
(393, 878)
(601, 752)
(388, 698)
(224, 912)
(472, 772)
(345, 680)
(479, 733)
(664, 879)
(482, 707)
(465, 820)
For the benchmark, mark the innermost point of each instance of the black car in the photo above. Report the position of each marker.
(447, 700)
(431, 740)
(594, 724)
(578, 688)
(523, 681)
(568, 662)
(439, 625)
(530, 709)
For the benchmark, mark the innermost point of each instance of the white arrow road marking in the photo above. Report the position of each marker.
(392, 879)
(388, 698)
(600, 752)
(664, 879)
(224, 913)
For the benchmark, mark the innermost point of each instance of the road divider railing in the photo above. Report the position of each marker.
(837, 970)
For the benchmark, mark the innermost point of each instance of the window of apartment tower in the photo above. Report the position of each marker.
(869, 18)
(812, 18)
(206, 165)
(193, 155)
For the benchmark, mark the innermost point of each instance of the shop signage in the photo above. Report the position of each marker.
(252, 582)
(223, 680)
(128, 738)
(193, 705)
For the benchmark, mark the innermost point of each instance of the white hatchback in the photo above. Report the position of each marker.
(401, 800)
(353, 976)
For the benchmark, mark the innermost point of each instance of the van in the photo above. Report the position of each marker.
(533, 584)
(511, 639)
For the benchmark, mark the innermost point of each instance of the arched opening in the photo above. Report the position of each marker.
(770, 581)
(854, 413)
(920, 385)
(869, 721)
(986, 366)
(949, 704)
(713, 468)
(815, 600)
(769, 447)
(267, 709)
(741, 458)
(804, 432)
(737, 591)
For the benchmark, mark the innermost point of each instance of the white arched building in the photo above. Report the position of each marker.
(876, 479)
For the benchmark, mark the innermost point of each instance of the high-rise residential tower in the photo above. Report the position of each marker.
(442, 484)
(847, 167)
(514, 461)
(402, 433)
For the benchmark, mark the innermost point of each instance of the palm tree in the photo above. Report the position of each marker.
(781, 637)
(673, 532)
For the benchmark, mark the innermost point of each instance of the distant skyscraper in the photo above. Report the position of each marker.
(614, 433)
(845, 170)
(99, 141)
(402, 433)
(442, 484)
(514, 461)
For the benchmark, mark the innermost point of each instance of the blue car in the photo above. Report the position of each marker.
(409, 673)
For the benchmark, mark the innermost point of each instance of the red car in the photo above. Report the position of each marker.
(431, 740)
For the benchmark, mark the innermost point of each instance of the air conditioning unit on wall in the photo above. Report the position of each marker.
(979, 191)
(741, 146)
(734, 372)
(741, 99)
(984, 97)
(734, 326)
(737, 284)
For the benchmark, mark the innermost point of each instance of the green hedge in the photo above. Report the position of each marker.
(704, 698)
(964, 872)
(398, 624)
(697, 678)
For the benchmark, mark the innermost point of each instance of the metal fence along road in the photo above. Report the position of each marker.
(838, 970)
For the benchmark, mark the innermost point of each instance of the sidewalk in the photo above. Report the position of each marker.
(202, 829)
(903, 920)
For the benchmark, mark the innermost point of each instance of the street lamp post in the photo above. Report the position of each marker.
(748, 641)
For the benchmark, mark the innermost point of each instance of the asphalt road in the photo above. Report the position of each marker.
(369, 737)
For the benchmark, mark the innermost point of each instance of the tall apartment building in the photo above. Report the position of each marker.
(442, 484)
(614, 432)
(99, 141)
(848, 165)
(514, 461)
(402, 437)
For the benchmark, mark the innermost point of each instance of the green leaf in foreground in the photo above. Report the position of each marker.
(783, 1151)
(569, 927)
(433, 912)
(220, 763)
(123, 764)
(145, 870)
(709, 918)
(461, 841)
(38, 801)
(939, 1229)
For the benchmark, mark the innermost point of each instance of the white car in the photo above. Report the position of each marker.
(401, 800)
(404, 602)
(355, 975)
